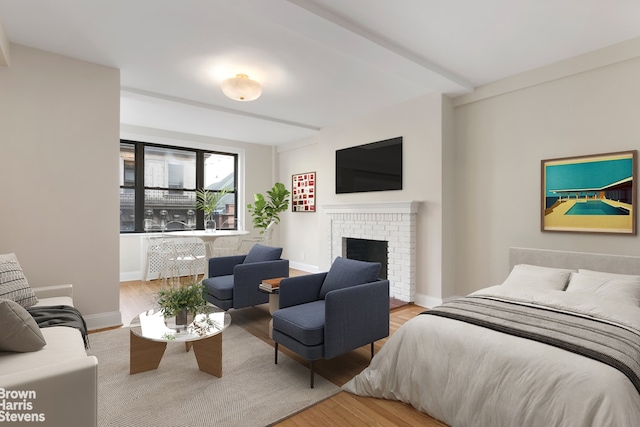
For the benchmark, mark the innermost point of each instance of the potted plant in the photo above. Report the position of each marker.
(265, 210)
(180, 300)
(208, 201)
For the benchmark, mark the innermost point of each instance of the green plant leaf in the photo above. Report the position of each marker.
(208, 201)
(265, 209)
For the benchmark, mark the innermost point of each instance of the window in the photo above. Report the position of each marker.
(158, 183)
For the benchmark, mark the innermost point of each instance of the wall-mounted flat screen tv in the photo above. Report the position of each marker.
(376, 166)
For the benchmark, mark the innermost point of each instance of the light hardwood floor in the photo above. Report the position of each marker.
(342, 409)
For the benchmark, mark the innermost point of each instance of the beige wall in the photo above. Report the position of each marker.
(59, 128)
(420, 123)
(501, 139)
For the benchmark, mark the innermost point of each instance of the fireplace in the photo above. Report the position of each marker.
(391, 222)
(367, 250)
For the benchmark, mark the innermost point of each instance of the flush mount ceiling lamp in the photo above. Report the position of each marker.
(242, 88)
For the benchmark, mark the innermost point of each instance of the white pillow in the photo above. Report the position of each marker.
(9, 257)
(609, 275)
(625, 291)
(534, 276)
(13, 284)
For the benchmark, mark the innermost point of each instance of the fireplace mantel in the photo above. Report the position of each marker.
(410, 207)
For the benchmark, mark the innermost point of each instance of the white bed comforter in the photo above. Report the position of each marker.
(465, 375)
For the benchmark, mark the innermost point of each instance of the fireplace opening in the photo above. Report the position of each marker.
(367, 250)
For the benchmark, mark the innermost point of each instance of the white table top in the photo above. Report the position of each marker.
(151, 325)
(202, 234)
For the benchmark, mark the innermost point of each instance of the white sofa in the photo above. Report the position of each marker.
(62, 375)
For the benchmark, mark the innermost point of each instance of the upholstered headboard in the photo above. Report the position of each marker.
(562, 259)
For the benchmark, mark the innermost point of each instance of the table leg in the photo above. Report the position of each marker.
(208, 353)
(274, 304)
(144, 355)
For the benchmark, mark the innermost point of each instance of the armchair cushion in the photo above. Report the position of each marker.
(260, 253)
(345, 272)
(220, 287)
(13, 284)
(224, 265)
(304, 323)
(20, 332)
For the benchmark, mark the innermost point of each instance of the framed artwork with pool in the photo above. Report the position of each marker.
(590, 194)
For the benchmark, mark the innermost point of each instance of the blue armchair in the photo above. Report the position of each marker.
(234, 280)
(325, 315)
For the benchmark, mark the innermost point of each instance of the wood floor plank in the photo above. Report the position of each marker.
(342, 409)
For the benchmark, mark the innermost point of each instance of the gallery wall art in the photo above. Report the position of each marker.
(303, 192)
(590, 194)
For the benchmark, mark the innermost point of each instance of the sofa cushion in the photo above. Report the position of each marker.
(19, 332)
(261, 253)
(44, 302)
(13, 284)
(345, 272)
(220, 287)
(304, 322)
(63, 344)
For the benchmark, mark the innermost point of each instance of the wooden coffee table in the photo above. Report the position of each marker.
(150, 333)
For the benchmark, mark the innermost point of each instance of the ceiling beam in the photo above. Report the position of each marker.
(324, 27)
(206, 106)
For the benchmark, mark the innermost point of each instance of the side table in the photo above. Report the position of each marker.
(272, 287)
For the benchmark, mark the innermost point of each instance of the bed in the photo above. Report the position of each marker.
(556, 344)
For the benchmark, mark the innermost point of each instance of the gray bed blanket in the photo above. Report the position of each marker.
(603, 341)
(60, 315)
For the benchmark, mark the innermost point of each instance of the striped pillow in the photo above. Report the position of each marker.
(14, 286)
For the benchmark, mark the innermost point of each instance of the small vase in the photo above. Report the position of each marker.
(181, 317)
(209, 224)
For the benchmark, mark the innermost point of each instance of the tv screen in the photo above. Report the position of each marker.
(370, 167)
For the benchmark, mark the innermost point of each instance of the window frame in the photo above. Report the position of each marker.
(139, 187)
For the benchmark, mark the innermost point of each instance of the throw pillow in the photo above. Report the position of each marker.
(345, 272)
(534, 276)
(14, 286)
(261, 253)
(9, 257)
(19, 331)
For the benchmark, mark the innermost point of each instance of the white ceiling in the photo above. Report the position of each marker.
(320, 61)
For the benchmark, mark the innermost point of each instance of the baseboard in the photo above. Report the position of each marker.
(103, 320)
(304, 267)
(430, 302)
(427, 301)
(130, 276)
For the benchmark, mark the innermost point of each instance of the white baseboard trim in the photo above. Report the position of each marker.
(430, 302)
(427, 301)
(103, 320)
(304, 267)
(130, 276)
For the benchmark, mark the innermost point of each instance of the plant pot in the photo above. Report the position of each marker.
(181, 317)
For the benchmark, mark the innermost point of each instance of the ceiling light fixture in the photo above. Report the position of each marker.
(241, 88)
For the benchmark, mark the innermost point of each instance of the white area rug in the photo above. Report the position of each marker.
(253, 391)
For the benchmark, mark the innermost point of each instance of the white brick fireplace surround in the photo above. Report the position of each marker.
(394, 222)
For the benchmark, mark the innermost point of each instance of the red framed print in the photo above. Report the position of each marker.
(303, 192)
